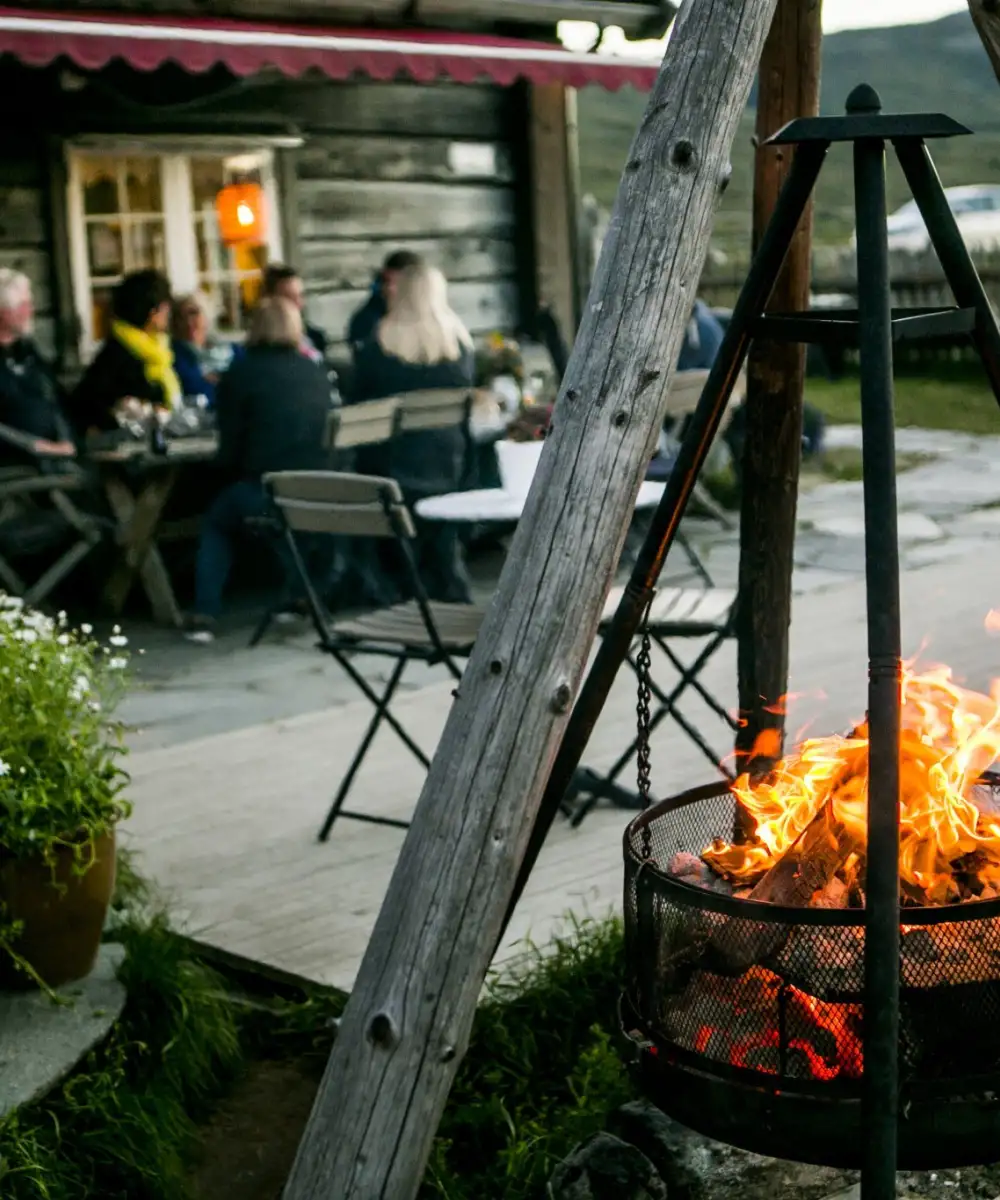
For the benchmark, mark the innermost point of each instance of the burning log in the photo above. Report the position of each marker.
(809, 864)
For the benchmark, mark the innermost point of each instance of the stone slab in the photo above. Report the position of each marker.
(41, 1041)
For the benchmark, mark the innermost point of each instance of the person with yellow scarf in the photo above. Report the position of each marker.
(135, 363)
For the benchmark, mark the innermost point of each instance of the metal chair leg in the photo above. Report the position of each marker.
(381, 713)
(263, 625)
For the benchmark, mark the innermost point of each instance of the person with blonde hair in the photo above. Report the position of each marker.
(199, 357)
(272, 409)
(421, 344)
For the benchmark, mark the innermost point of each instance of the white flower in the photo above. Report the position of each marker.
(117, 664)
(11, 601)
(26, 635)
(63, 639)
(118, 640)
(86, 630)
(4, 768)
(80, 688)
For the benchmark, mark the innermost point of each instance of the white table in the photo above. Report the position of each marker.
(495, 506)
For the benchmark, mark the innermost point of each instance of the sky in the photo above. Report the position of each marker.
(837, 14)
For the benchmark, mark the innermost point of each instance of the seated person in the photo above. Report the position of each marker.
(135, 364)
(286, 283)
(701, 340)
(422, 344)
(199, 358)
(362, 325)
(29, 395)
(272, 408)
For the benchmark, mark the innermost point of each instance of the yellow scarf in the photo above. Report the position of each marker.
(153, 351)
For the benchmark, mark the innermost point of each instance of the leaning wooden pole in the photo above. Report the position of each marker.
(986, 18)
(409, 1017)
(788, 87)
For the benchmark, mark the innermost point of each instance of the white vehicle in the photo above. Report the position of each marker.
(976, 208)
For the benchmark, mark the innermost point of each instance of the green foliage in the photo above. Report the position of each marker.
(541, 1073)
(60, 752)
(123, 1126)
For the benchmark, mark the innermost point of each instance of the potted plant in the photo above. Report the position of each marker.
(60, 793)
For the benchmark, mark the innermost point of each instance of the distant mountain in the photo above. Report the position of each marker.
(938, 66)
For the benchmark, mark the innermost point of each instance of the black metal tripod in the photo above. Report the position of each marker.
(873, 328)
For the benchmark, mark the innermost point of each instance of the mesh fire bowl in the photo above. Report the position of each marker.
(746, 1019)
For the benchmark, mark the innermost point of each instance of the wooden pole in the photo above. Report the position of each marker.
(986, 18)
(409, 1017)
(788, 87)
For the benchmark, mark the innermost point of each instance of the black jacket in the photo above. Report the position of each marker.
(114, 374)
(428, 463)
(29, 400)
(365, 319)
(272, 406)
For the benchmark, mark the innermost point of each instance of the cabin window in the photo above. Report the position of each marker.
(134, 210)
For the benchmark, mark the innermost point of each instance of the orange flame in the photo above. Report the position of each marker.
(949, 737)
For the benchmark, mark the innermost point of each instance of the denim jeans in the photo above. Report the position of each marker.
(224, 523)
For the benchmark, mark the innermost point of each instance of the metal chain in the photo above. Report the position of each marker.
(643, 673)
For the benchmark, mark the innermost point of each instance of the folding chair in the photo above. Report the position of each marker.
(38, 518)
(346, 505)
(439, 408)
(372, 423)
(692, 614)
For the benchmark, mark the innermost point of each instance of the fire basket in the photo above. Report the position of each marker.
(748, 1016)
(810, 980)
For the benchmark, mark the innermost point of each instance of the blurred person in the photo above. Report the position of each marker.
(199, 357)
(702, 339)
(272, 407)
(286, 282)
(422, 344)
(29, 394)
(366, 318)
(135, 365)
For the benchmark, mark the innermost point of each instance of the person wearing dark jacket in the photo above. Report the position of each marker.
(365, 320)
(286, 283)
(272, 407)
(135, 364)
(29, 394)
(422, 344)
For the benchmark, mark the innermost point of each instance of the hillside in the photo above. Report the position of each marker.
(937, 66)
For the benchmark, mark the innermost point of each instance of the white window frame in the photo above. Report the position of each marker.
(181, 252)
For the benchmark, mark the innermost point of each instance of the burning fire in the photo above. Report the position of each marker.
(949, 737)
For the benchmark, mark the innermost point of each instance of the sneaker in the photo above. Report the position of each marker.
(199, 629)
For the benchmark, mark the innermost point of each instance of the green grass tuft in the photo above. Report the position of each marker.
(124, 1125)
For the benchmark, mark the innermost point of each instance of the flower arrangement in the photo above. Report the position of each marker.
(499, 355)
(61, 778)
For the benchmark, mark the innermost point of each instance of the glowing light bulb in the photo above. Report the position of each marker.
(244, 214)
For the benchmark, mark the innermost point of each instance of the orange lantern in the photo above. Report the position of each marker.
(242, 212)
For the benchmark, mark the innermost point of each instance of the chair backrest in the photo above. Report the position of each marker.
(367, 424)
(338, 503)
(441, 408)
(685, 391)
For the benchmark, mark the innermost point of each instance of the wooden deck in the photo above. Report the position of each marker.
(227, 825)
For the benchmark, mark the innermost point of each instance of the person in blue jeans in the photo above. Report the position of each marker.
(272, 407)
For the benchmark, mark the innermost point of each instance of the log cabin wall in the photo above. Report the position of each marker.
(440, 169)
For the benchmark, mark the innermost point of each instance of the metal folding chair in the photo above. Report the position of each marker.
(344, 505)
(373, 423)
(692, 614)
(38, 519)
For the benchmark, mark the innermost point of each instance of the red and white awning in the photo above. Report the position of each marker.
(39, 38)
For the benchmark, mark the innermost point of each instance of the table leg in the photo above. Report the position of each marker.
(138, 518)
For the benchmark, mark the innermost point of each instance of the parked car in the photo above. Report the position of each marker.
(976, 208)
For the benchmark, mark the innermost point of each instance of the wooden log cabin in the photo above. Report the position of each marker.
(446, 126)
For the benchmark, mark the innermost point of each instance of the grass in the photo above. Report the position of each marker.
(541, 1074)
(955, 397)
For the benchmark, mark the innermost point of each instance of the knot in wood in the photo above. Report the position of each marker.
(725, 175)
(683, 155)
(620, 419)
(496, 667)
(448, 1054)
(561, 698)
(382, 1031)
(572, 394)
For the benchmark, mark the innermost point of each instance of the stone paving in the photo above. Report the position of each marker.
(949, 509)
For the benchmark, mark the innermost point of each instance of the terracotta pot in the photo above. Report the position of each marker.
(63, 914)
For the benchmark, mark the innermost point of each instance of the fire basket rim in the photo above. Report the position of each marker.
(691, 896)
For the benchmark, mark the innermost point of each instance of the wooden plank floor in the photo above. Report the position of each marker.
(227, 825)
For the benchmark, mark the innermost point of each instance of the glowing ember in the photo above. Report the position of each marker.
(949, 737)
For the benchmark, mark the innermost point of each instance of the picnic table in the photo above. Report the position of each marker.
(138, 484)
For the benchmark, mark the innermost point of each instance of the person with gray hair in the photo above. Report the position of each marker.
(29, 394)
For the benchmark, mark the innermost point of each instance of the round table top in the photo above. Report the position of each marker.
(495, 506)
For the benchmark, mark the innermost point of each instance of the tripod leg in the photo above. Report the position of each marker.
(922, 177)
(701, 431)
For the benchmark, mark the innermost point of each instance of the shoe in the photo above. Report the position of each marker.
(199, 629)
(291, 614)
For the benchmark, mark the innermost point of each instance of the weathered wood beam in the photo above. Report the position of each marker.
(986, 18)
(788, 87)
(407, 1024)
(553, 202)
